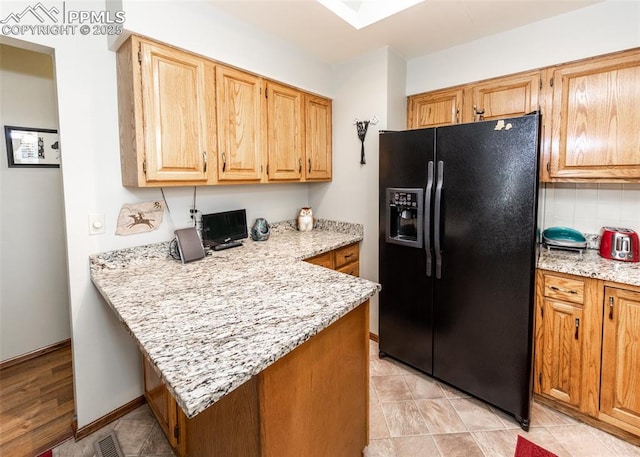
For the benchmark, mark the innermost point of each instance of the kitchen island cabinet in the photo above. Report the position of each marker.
(587, 340)
(250, 351)
(303, 404)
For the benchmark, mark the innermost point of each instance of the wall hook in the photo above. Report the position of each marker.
(362, 127)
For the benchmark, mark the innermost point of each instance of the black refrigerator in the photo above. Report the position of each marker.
(457, 253)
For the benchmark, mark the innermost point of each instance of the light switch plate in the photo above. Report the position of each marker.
(96, 224)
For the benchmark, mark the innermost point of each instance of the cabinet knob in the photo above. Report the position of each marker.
(309, 165)
(224, 162)
(300, 166)
(204, 156)
(577, 327)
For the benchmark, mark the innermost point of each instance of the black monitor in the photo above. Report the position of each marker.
(221, 228)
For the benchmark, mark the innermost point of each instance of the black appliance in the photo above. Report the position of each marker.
(457, 255)
(224, 230)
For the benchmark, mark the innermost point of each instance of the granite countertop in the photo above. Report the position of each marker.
(589, 264)
(210, 325)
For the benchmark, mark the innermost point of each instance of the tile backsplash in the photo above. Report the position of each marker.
(589, 207)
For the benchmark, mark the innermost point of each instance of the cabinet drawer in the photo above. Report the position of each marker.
(347, 255)
(352, 269)
(324, 260)
(566, 289)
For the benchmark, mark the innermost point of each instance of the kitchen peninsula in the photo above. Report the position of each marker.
(263, 354)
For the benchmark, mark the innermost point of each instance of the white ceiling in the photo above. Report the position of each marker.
(422, 29)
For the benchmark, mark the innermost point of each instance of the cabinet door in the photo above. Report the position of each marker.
(434, 109)
(620, 387)
(562, 351)
(284, 132)
(175, 114)
(503, 97)
(318, 138)
(239, 125)
(161, 402)
(596, 118)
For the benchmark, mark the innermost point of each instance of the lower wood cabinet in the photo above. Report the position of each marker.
(313, 402)
(620, 388)
(345, 259)
(587, 350)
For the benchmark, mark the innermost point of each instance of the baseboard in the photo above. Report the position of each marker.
(374, 337)
(33, 354)
(108, 418)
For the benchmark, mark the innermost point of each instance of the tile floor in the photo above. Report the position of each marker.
(411, 415)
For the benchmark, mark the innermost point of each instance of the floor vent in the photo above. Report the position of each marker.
(108, 446)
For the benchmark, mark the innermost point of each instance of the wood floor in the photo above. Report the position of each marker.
(36, 404)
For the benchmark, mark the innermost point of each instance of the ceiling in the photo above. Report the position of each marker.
(421, 29)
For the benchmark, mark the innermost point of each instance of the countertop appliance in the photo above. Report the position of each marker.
(619, 243)
(457, 255)
(564, 238)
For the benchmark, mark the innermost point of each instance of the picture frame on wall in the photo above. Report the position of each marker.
(32, 147)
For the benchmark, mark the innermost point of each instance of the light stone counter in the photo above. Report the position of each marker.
(210, 325)
(591, 265)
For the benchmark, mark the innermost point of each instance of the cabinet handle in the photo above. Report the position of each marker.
(611, 308)
(204, 156)
(457, 116)
(558, 289)
(309, 165)
(479, 113)
(577, 327)
(224, 162)
(300, 166)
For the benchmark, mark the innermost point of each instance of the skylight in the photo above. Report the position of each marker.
(360, 14)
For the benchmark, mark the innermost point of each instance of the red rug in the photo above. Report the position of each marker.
(49, 453)
(525, 448)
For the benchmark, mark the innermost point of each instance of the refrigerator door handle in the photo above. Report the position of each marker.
(436, 222)
(427, 217)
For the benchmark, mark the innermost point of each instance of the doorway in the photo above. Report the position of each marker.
(35, 350)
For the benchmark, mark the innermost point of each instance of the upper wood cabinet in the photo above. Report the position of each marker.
(239, 114)
(596, 118)
(165, 112)
(434, 109)
(317, 114)
(186, 120)
(620, 389)
(497, 98)
(590, 114)
(285, 127)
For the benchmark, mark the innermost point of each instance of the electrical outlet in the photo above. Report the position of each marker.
(96, 224)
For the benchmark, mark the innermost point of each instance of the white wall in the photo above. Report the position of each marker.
(34, 305)
(366, 86)
(106, 361)
(604, 27)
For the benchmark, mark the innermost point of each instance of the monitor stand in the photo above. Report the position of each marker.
(221, 246)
